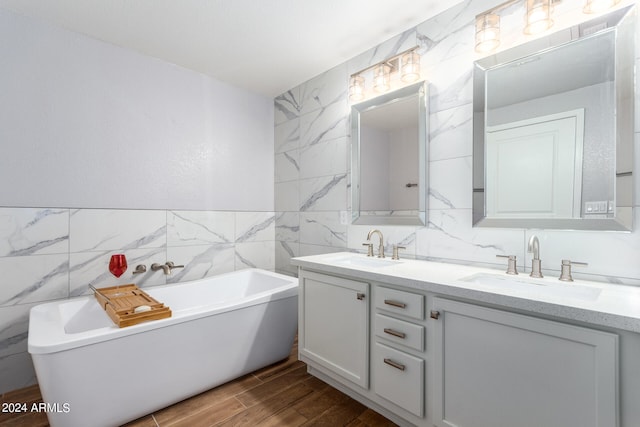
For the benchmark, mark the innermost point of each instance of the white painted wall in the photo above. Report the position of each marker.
(88, 124)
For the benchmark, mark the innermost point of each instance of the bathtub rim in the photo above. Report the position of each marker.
(47, 333)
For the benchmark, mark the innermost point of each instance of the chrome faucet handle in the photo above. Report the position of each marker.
(170, 264)
(565, 271)
(395, 251)
(511, 263)
(369, 248)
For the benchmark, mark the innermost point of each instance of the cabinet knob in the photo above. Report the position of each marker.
(360, 296)
(435, 314)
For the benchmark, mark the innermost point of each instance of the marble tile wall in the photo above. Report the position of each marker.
(312, 158)
(49, 254)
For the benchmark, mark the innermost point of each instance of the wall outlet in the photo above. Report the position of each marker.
(344, 217)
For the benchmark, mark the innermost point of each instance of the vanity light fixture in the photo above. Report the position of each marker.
(597, 6)
(381, 76)
(405, 65)
(538, 16)
(487, 32)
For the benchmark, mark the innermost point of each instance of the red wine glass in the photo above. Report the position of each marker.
(118, 264)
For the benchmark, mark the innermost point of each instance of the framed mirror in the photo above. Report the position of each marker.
(553, 130)
(389, 158)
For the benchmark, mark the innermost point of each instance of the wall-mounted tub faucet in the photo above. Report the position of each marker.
(536, 264)
(381, 246)
(166, 267)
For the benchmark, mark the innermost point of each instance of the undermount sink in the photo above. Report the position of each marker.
(534, 287)
(364, 261)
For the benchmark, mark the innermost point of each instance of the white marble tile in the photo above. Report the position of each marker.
(113, 229)
(31, 231)
(323, 228)
(287, 226)
(186, 228)
(287, 106)
(323, 90)
(323, 194)
(450, 133)
(16, 372)
(93, 268)
(325, 158)
(450, 184)
(287, 166)
(324, 124)
(451, 84)
(255, 227)
(284, 251)
(14, 329)
(287, 135)
(308, 250)
(287, 197)
(33, 278)
(201, 261)
(450, 235)
(255, 255)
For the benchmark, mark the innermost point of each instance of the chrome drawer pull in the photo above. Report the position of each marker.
(395, 303)
(394, 364)
(394, 333)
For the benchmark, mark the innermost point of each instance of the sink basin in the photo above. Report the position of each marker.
(364, 261)
(535, 287)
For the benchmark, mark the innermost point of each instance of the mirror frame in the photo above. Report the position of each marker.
(375, 217)
(622, 23)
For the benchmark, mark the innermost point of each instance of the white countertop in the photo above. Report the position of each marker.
(600, 304)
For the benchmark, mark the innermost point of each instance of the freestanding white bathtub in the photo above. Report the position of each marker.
(92, 373)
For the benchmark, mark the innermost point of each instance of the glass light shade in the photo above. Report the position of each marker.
(410, 67)
(538, 17)
(356, 88)
(487, 32)
(597, 6)
(381, 80)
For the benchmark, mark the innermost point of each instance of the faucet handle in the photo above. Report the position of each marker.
(565, 269)
(369, 248)
(170, 264)
(511, 263)
(395, 251)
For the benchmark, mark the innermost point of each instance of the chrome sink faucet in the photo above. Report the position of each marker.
(381, 246)
(536, 264)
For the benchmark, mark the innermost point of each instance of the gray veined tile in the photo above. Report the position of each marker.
(450, 183)
(201, 261)
(325, 158)
(393, 46)
(287, 226)
(323, 228)
(255, 255)
(287, 106)
(450, 133)
(324, 124)
(186, 228)
(287, 167)
(287, 135)
(325, 193)
(113, 229)
(29, 231)
(326, 89)
(35, 278)
(255, 226)
(451, 84)
(287, 197)
(14, 329)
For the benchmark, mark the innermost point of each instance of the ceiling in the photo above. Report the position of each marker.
(264, 46)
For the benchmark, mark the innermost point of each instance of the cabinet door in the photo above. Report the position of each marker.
(495, 368)
(334, 325)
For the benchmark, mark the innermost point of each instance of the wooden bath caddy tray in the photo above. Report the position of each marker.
(120, 302)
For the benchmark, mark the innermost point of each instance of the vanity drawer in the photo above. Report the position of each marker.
(400, 302)
(400, 332)
(399, 378)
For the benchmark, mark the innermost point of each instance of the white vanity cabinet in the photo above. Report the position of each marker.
(333, 326)
(497, 368)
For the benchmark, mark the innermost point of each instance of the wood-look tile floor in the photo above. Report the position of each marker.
(283, 394)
